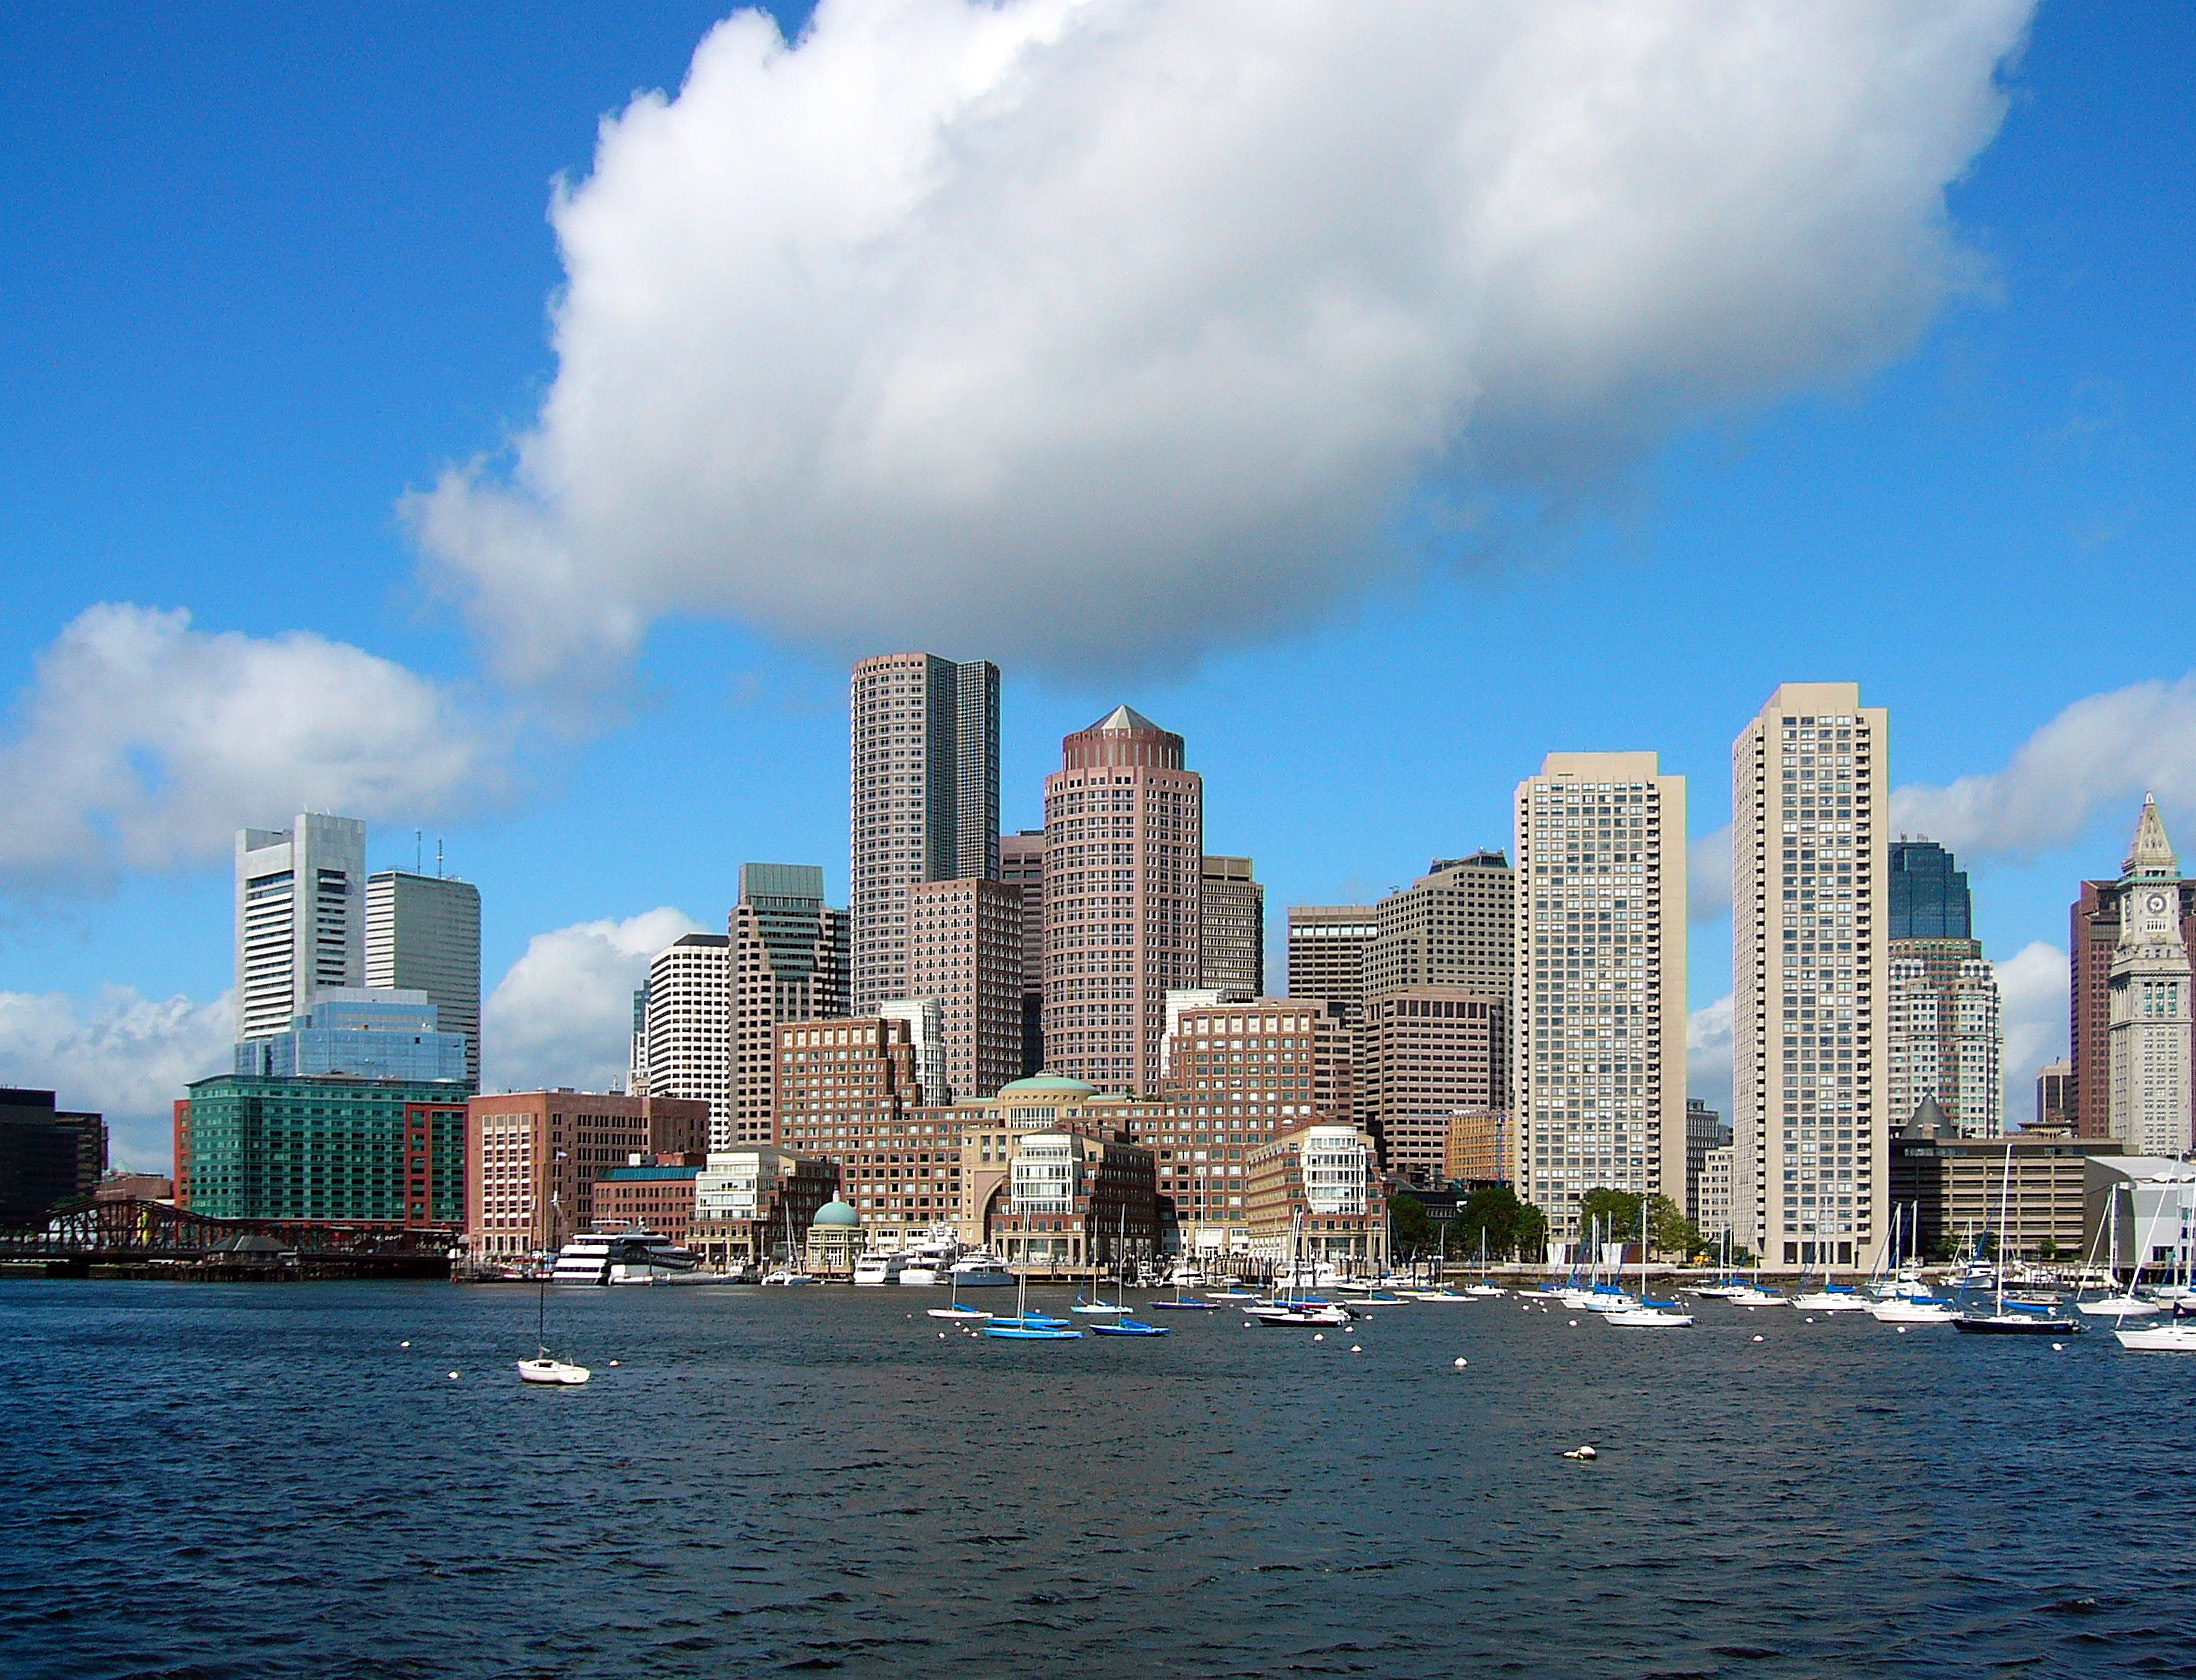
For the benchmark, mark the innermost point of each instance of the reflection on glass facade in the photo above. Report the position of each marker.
(1928, 896)
(360, 1034)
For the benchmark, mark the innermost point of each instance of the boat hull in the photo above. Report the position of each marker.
(552, 1373)
(2024, 1325)
(2159, 1338)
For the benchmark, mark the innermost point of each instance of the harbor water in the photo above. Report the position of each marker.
(224, 1481)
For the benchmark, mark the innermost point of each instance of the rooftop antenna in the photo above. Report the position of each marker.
(417, 843)
(438, 857)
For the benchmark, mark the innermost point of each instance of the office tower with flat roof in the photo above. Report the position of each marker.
(789, 962)
(423, 934)
(330, 1150)
(1328, 948)
(300, 918)
(2055, 1096)
(924, 798)
(2149, 1049)
(1124, 855)
(1425, 1054)
(1704, 1130)
(1454, 926)
(636, 1053)
(49, 1157)
(965, 949)
(1944, 1034)
(1598, 1009)
(1928, 897)
(1022, 864)
(2093, 942)
(924, 1018)
(1232, 911)
(1810, 962)
(380, 1033)
(690, 1025)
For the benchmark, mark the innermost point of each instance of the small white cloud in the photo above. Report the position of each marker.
(126, 1056)
(1110, 331)
(563, 1014)
(1708, 1055)
(144, 744)
(2096, 756)
(2032, 994)
(1708, 876)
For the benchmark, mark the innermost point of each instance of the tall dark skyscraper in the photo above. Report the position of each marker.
(1928, 896)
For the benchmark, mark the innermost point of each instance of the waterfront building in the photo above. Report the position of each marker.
(753, 1204)
(924, 1018)
(2150, 1052)
(1479, 1150)
(326, 1150)
(847, 1092)
(1952, 1188)
(1124, 849)
(2093, 941)
(1943, 1033)
(49, 1157)
(1321, 1182)
(1328, 948)
(650, 1195)
(1704, 1130)
(2055, 1095)
(362, 1033)
(1232, 914)
(1423, 1054)
(1809, 963)
(965, 949)
(1022, 865)
(1074, 1199)
(1598, 1012)
(300, 918)
(532, 1159)
(689, 1025)
(1710, 1211)
(2151, 1202)
(923, 799)
(1928, 897)
(423, 934)
(789, 961)
(835, 1239)
(1455, 926)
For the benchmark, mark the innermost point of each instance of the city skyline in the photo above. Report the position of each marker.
(2016, 445)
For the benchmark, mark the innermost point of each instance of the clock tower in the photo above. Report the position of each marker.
(2149, 1037)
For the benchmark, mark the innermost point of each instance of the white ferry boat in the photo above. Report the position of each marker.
(626, 1257)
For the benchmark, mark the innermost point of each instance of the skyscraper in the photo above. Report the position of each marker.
(300, 918)
(1425, 1053)
(1597, 1066)
(1232, 913)
(2055, 1094)
(965, 951)
(1943, 1032)
(1328, 948)
(689, 1015)
(925, 798)
(2151, 1050)
(423, 934)
(1929, 898)
(1454, 926)
(2093, 943)
(1022, 865)
(1809, 971)
(789, 962)
(1124, 853)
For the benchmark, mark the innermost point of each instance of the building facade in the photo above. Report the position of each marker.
(1705, 1130)
(2149, 1048)
(752, 1206)
(1928, 897)
(1232, 914)
(2055, 1096)
(965, 948)
(645, 1195)
(49, 1157)
(847, 1093)
(1711, 1208)
(300, 918)
(2092, 944)
(423, 934)
(327, 1151)
(924, 1018)
(924, 799)
(1075, 1199)
(1944, 1035)
(1124, 851)
(362, 1034)
(1424, 1054)
(1329, 947)
(1809, 963)
(1598, 1008)
(1479, 1148)
(689, 1024)
(1022, 865)
(1318, 1186)
(790, 961)
(1953, 1192)
(1454, 926)
(532, 1159)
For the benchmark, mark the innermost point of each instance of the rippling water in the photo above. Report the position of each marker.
(209, 1481)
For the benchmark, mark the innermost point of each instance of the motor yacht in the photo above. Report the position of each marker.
(627, 1257)
(874, 1271)
(980, 1270)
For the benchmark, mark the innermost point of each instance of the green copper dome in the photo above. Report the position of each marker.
(1047, 1085)
(837, 1213)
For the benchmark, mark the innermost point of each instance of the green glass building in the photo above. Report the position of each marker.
(330, 1150)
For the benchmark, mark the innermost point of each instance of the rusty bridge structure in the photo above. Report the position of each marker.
(141, 1239)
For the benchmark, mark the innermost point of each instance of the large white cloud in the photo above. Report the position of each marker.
(1708, 1055)
(563, 1013)
(2099, 754)
(2032, 998)
(1104, 329)
(126, 1056)
(143, 743)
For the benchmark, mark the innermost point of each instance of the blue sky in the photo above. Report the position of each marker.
(264, 276)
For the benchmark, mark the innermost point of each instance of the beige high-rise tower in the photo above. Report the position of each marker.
(1811, 1122)
(2149, 1046)
(1597, 1022)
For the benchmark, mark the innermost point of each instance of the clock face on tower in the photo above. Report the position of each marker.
(2155, 904)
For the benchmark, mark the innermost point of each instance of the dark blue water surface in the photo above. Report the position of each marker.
(200, 1480)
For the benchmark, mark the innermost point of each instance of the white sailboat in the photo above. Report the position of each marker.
(1650, 1314)
(545, 1368)
(2117, 1304)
